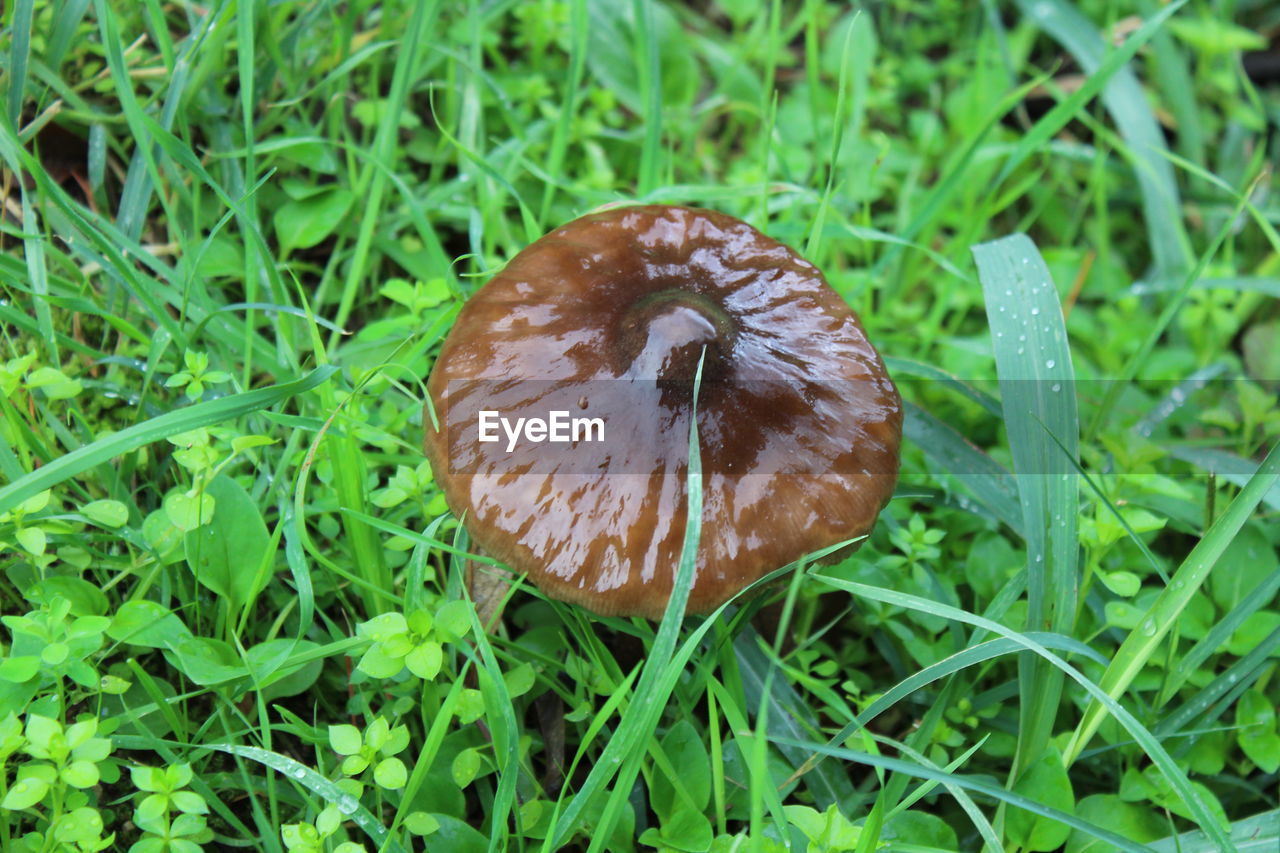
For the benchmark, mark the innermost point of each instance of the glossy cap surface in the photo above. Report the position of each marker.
(799, 424)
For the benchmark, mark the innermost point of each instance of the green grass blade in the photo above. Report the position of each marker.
(970, 808)
(1033, 362)
(625, 750)
(649, 74)
(19, 54)
(564, 122)
(155, 429)
(1161, 325)
(977, 785)
(1127, 103)
(322, 787)
(1257, 834)
(1142, 642)
(961, 660)
(373, 182)
(787, 716)
(1155, 750)
(1259, 597)
(1222, 693)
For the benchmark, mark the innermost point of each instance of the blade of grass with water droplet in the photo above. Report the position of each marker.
(1222, 693)
(321, 786)
(1033, 363)
(1257, 598)
(1144, 639)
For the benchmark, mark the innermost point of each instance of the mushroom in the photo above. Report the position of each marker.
(606, 318)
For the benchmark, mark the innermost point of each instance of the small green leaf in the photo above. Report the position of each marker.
(328, 821)
(345, 739)
(54, 653)
(241, 443)
(24, 794)
(106, 513)
(453, 621)
(86, 598)
(397, 741)
(1255, 628)
(1251, 558)
(520, 680)
(425, 660)
(189, 802)
(80, 774)
(1045, 780)
(303, 223)
(19, 669)
(376, 735)
(379, 665)
(32, 539)
(354, 765)
(390, 773)
(421, 823)
(465, 767)
(688, 831)
(470, 706)
(1256, 719)
(146, 623)
(684, 747)
(300, 836)
(55, 384)
(922, 828)
(384, 627)
(188, 512)
(226, 554)
(1123, 584)
(206, 661)
(41, 731)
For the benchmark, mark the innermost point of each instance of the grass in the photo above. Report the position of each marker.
(233, 237)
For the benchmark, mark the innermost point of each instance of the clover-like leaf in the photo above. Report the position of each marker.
(80, 774)
(465, 767)
(345, 739)
(390, 773)
(188, 802)
(24, 794)
(376, 663)
(425, 660)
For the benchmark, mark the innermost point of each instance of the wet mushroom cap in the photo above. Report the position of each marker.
(606, 317)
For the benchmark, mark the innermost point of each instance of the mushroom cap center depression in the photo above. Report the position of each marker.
(663, 335)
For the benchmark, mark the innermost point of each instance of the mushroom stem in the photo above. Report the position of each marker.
(488, 585)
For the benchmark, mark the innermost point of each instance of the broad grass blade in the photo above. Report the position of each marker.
(1033, 362)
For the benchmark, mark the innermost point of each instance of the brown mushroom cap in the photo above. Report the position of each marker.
(798, 423)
